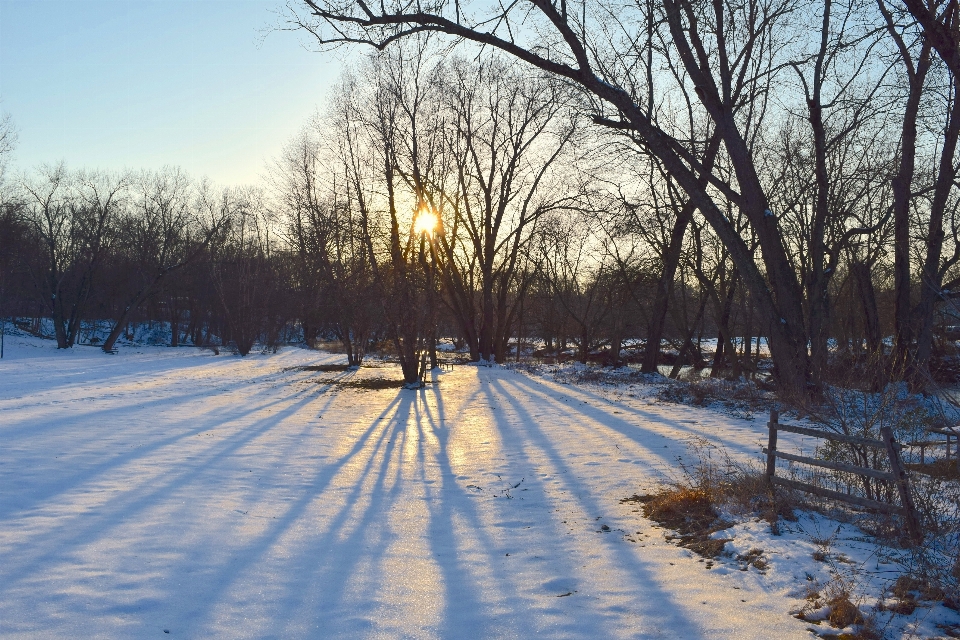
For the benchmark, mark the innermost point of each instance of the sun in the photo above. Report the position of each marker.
(426, 222)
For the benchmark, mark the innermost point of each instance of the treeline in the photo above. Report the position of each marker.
(482, 199)
(81, 246)
(816, 141)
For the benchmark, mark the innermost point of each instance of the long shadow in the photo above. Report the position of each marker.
(391, 451)
(616, 423)
(463, 601)
(406, 445)
(165, 397)
(221, 581)
(88, 528)
(340, 553)
(661, 607)
(52, 420)
(58, 484)
(454, 518)
(363, 493)
(112, 371)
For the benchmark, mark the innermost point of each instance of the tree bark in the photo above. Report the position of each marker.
(931, 277)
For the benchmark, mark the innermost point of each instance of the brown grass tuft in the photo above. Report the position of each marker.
(843, 613)
(684, 509)
(688, 511)
(325, 368)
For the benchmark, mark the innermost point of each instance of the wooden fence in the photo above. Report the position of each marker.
(897, 474)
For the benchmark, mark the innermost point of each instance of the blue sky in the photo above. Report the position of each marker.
(115, 84)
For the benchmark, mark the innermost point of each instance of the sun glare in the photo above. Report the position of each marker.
(426, 222)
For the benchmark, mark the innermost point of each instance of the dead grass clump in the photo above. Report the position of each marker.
(365, 384)
(753, 558)
(690, 512)
(371, 384)
(705, 545)
(905, 591)
(325, 368)
(714, 484)
(903, 607)
(906, 585)
(836, 608)
(684, 509)
(843, 613)
(909, 591)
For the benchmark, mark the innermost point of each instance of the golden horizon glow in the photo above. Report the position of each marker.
(426, 222)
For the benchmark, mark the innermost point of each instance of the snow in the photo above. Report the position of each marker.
(167, 492)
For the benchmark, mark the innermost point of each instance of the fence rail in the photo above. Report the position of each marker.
(836, 466)
(897, 474)
(837, 437)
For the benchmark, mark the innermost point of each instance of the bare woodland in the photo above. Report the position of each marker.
(616, 182)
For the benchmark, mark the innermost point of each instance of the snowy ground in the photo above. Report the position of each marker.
(173, 493)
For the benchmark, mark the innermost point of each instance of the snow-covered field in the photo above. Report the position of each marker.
(173, 493)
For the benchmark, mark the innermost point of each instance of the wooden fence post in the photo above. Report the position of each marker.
(772, 444)
(906, 500)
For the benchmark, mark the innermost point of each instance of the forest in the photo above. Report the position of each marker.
(758, 188)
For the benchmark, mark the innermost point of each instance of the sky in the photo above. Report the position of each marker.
(206, 85)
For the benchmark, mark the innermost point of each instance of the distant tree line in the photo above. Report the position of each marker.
(713, 173)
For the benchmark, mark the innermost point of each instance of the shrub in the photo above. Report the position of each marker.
(741, 398)
(692, 504)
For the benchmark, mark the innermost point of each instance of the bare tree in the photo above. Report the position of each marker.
(334, 281)
(507, 136)
(244, 270)
(164, 229)
(74, 216)
(390, 151)
(573, 265)
(8, 142)
(728, 81)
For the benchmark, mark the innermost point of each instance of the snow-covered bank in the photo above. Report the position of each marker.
(213, 496)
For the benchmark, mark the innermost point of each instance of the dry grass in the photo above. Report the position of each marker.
(843, 612)
(366, 384)
(685, 509)
(691, 505)
(753, 558)
(832, 604)
(325, 368)
(690, 512)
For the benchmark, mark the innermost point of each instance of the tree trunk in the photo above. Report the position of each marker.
(868, 303)
(486, 322)
(59, 329)
(688, 340)
(174, 326)
(931, 278)
(901, 186)
(724, 335)
(671, 259)
(309, 334)
(658, 315)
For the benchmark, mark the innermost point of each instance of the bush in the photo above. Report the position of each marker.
(740, 398)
